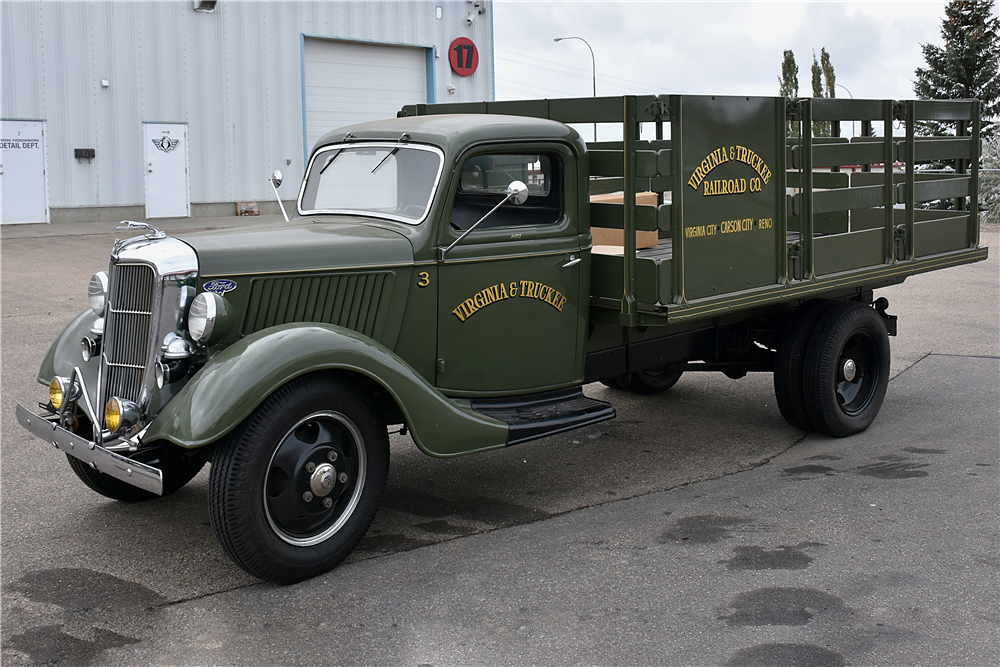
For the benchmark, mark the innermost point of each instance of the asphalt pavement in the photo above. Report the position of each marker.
(697, 528)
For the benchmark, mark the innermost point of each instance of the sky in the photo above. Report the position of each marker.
(707, 48)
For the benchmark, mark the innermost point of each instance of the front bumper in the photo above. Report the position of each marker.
(110, 463)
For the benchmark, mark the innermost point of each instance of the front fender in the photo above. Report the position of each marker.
(237, 380)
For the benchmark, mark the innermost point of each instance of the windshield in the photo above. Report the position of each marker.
(382, 180)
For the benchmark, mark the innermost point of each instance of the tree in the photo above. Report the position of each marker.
(966, 66)
(823, 81)
(789, 82)
(829, 78)
(989, 181)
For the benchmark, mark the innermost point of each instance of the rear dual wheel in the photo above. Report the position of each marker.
(846, 369)
(832, 367)
(296, 487)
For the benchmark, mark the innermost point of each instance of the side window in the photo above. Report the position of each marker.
(483, 183)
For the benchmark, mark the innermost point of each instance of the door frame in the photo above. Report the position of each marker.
(45, 169)
(145, 167)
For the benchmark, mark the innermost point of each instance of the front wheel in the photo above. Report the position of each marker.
(296, 486)
(649, 382)
(846, 369)
(177, 470)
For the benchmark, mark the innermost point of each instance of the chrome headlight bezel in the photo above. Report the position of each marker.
(208, 318)
(97, 292)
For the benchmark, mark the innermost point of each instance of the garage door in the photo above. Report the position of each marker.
(354, 82)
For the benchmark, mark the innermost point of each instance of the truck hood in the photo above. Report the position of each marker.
(299, 245)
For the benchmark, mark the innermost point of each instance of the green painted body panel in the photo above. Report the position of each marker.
(298, 246)
(234, 382)
(745, 228)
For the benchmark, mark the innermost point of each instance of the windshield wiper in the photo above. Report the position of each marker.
(403, 137)
(347, 137)
(389, 155)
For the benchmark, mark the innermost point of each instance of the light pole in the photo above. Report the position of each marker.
(839, 85)
(593, 61)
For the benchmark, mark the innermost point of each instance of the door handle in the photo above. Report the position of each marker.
(573, 261)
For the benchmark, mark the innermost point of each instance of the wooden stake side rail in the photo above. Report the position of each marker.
(831, 230)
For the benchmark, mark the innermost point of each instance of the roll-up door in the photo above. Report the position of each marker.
(354, 82)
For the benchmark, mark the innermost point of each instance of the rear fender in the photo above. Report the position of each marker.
(237, 380)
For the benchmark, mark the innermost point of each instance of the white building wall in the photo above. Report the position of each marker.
(234, 75)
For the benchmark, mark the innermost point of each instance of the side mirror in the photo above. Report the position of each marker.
(275, 181)
(517, 192)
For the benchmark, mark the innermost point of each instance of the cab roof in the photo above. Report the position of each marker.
(453, 132)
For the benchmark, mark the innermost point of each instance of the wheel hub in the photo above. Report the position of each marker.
(849, 370)
(315, 479)
(322, 480)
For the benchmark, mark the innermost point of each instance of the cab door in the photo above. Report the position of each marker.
(510, 315)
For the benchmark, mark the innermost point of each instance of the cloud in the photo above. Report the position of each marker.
(723, 48)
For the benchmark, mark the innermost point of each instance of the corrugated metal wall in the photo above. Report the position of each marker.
(233, 75)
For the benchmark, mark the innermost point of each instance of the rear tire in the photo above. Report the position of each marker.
(649, 382)
(790, 360)
(846, 369)
(296, 486)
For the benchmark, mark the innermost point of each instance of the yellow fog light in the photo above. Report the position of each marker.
(120, 415)
(113, 414)
(58, 389)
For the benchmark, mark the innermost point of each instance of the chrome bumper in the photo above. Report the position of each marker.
(100, 459)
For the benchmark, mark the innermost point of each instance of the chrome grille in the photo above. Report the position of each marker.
(132, 295)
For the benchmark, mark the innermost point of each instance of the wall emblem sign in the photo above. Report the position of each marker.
(463, 56)
(166, 144)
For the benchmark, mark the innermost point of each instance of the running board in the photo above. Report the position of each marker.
(540, 415)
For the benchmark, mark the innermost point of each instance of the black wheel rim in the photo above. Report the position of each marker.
(314, 479)
(858, 369)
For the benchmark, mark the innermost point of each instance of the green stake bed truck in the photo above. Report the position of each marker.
(461, 271)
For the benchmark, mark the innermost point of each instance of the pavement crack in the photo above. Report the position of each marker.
(204, 596)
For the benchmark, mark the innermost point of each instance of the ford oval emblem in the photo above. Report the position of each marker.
(220, 287)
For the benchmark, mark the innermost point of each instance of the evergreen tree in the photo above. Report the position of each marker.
(820, 128)
(966, 66)
(789, 86)
(829, 78)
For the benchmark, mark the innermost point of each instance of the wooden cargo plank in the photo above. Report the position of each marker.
(663, 214)
(607, 163)
(828, 201)
(944, 109)
(938, 149)
(612, 216)
(612, 163)
(834, 155)
(823, 180)
(603, 186)
(845, 252)
(944, 188)
(840, 109)
(938, 236)
(663, 162)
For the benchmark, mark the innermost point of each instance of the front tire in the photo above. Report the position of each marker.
(649, 382)
(296, 486)
(846, 369)
(177, 471)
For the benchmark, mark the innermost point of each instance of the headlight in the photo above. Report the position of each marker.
(58, 389)
(61, 391)
(97, 292)
(208, 318)
(120, 415)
